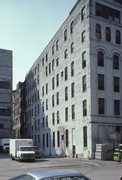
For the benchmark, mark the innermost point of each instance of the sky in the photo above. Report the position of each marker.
(27, 26)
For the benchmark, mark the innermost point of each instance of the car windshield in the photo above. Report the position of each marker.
(26, 148)
(71, 178)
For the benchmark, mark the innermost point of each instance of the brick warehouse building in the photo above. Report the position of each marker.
(73, 90)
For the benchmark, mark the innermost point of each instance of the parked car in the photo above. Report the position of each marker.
(37, 152)
(52, 174)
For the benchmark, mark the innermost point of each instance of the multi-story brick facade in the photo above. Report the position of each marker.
(5, 93)
(73, 90)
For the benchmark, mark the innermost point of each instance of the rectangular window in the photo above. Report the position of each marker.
(1, 126)
(46, 104)
(43, 91)
(66, 114)
(57, 45)
(66, 54)
(101, 105)
(85, 136)
(57, 80)
(100, 82)
(58, 117)
(116, 84)
(83, 36)
(71, 27)
(47, 139)
(82, 13)
(116, 107)
(46, 57)
(43, 141)
(53, 50)
(65, 35)
(46, 88)
(84, 59)
(57, 61)
(72, 68)
(84, 83)
(53, 101)
(66, 93)
(49, 68)
(66, 73)
(58, 138)
(67, 138)
(84, 108)
(73, 111)
(5, 112)
(5, 85)
(53, 139)
(42, 61)
(72, 47)
(72, 90)
(57, 98)
(46, 70)
(53, 118)
(53, 83)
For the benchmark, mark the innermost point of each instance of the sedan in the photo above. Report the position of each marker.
(52, 174)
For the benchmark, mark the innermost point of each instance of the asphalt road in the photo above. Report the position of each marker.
(95, 169)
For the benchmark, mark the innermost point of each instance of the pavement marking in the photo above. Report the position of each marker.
(93, 164)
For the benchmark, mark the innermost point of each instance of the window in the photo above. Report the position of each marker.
(57, 80)
(46, 121)
(85, 136)
(53, 63)
(72, 68)
(83, 37)
(118, 37)
(65, 35)
(57, 61)
(42, 61)
(73, 111)
(46, 104)
(43, 91)
(67, 138)
(5, 111)
(1, 126)
(43, 140)
(116, 107)
(53, 118)
(72, 47)
(72, 90)
(53, 101)
(46, 70)
(101, 105)
(116, 84)
(43, 106)
(57, 45)
(100, 58)
(46, 57)
(66, 54)
(53, 139)
(108, 34)
(66, 93)
(84, 59)
(57, 97)
(98, 31)
(49, 68)
(84, 83)
(66, 114)
(58, 138)
(58, 117)
(66, 73)
(53, 50)
(107, 13)
(46, 88)
(100, 82)
(115, 62)
(47, 139)
(53, 83)
(82, 13)
(84, 108)
(71, 27)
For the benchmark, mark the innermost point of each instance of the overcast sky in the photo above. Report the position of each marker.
(27, 26)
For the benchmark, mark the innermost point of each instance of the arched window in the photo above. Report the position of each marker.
(108, 34)
(115, 62)
(98, 31)
(100, 58)
(118, 37)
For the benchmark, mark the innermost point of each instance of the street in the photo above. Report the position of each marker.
(95, 169)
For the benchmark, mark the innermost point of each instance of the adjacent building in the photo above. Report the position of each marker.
(18, 104)
(5, 93)
(74, 88)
